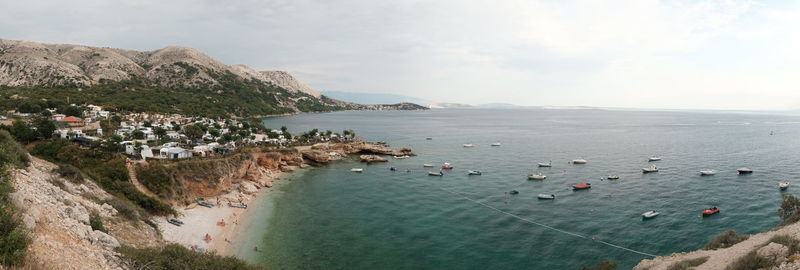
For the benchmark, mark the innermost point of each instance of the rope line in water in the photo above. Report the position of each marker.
(548, 226)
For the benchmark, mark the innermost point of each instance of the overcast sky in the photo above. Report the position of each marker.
(639, 53)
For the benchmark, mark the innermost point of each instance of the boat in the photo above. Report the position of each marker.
(546, 196)
(579, 161)
(548, 164)
(783, 185)
(653, 158)
(651, 169)
(711, 211)
(205, 204)
(392, 169)
(708, 172)
(496, 144)
(427, 165)
(175, 222)
(237, 205)
(447, 166)
(613, 177)
(468, 145)
(428, 138)
(401, 157)
(581, 186)
(435, 173)
(744, 170)
(471, 172)
(357, 170)
(650, 214)
(537, 176)
(513, 192)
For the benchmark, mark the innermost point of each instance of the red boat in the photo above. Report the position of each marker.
(581, 186)
(447, 166)
(711, 211)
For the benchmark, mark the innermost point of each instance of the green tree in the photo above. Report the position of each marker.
(193, 132)
(214, 132)
(160, 132)
(44, 127)
(72, 111)
(790, 209)
(23, 132)
(138, 134)
(29, 107)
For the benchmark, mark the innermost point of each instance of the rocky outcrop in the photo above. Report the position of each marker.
(372, 159)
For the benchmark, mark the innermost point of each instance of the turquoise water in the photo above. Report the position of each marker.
(330, 218)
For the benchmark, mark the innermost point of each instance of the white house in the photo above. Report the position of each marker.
(174, 153)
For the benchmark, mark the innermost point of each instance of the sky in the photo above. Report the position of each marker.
(721, 54)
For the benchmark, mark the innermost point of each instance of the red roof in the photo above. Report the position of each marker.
(70, 119)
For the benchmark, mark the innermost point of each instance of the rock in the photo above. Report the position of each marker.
(269, 184)
(29, 222)
(248, 188)
(372, 159)
(774, 252)
(317, 156)
(102, 239)
(289, 168)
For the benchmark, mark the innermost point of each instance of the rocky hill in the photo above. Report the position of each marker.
(173, 79)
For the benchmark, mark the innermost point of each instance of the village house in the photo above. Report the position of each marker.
(71, 121)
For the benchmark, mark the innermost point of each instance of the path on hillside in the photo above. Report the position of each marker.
(136, 183)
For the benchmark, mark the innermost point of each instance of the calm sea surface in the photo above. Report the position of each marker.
(331, 218)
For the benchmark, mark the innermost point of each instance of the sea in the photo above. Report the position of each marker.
(331, 218)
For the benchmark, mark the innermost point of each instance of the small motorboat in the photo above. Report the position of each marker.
(427, 165)
(548, 164)
(581, 186)
(783, 185)
(392, 169)
(744, 170)
(546, 196)
(471, 172)
(537, 176)
(513, 192)
(237, 205)
(468, 145)
(651, 169)
(650, 214)
(708, 172)
(613, 177)
(175, 222)
(401, 157)
(653, 158)
(496, 144)
(205, 204)
(436, 173)
(357, 170)
(447, 166)
(711, 211)
(428, 138)
(579, 161)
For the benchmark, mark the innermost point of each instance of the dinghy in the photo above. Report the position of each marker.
(711, 211)
(436, 173)
(401, 157)
(429, 138)
(471, 172)
(427, 165)
(653, 158)
(496, 144)
(237, 205)
(447, 166)
(650, 214)
(581, 186)
(783, 185)
(613, 177)
(468, 145)
(744, 170)
(513, 192)
(175, 222)
(357, 170)
(537, 176)
(548, 164)
(652, 169)
(579, 161)
(205, 204)
(547, 196)
(708, 172)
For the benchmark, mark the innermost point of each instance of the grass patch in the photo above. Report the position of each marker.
(688, 264)
(175, 256)
(157, 179)
(13, 240)
(725, 239)
(96, 222)
(749, 262)
(71, 173)
(792, 243)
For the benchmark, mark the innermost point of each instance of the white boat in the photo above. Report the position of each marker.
(651, 169)
(650, 214)
(547, 196)
(783, 185)
(579, 161)
(471, 172)
(548, 164)
(744, 170)
(537, 176)
(708, 172)
(468, 145)
(402, 157)
(428, 165)
(357, 170)
(653, 158)
(496, 144)
(435, 173)
(613, 177)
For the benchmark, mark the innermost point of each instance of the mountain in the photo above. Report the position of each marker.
(169, 80)
(373, 98)
(445, 105)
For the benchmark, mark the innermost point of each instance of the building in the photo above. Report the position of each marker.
(174, 153)
(71, 121)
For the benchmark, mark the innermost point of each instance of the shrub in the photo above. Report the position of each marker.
(175, 256)
(156, 179)
(70, 173)
(790, 209)
(604, 265)
(11, 152)
(96, 222)
(688, 263)
(13, 240)
(725, 239)
(749, 262)
(124, 208)
(792, 243)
